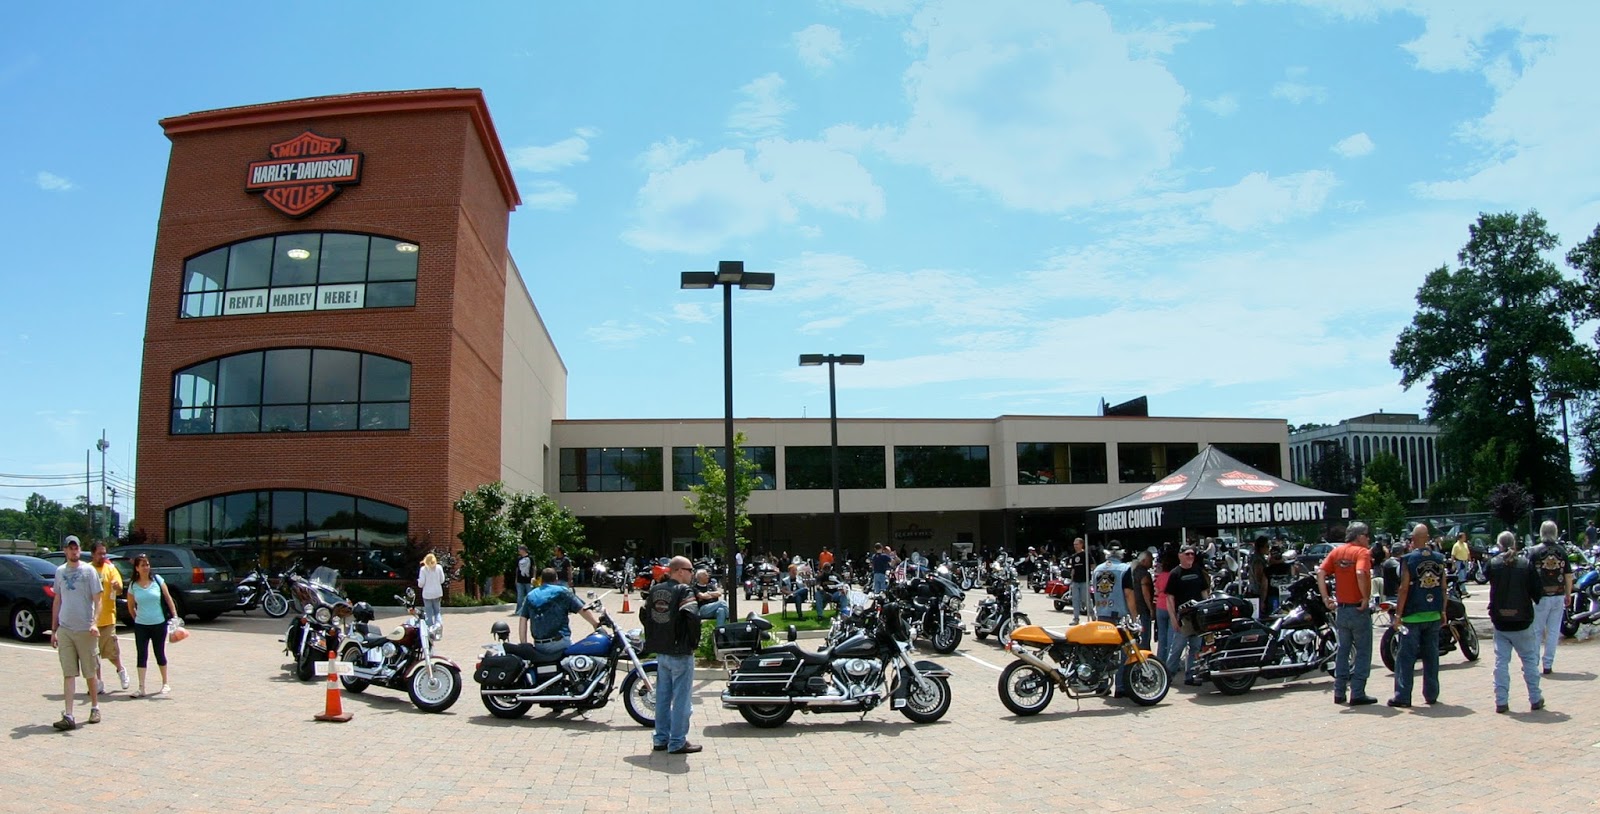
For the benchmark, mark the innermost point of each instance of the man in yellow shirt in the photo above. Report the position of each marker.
(110, 589)
(1461, 552)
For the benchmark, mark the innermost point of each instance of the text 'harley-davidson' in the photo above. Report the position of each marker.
(403, 659)
(514, 677)
(871, 665)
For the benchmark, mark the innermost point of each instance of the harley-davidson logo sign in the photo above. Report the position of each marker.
(1245, 482)
(1168, 484)
(304, 173)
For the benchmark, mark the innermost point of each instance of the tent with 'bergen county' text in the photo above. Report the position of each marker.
(1213, 490)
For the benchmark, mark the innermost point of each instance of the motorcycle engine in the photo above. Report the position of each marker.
(857, 676)
(1088, 668)
(581, 669)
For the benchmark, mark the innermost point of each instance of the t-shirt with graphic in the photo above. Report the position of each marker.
(1425, 596)
(110, 587)
(1078, 566)
(1343, 564)
(1186, 585)
(78, 588)
(1106, 584)
(1550, 560)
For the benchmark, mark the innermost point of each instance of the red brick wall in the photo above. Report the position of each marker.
(428, 179)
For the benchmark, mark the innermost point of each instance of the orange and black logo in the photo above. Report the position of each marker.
(304, 173)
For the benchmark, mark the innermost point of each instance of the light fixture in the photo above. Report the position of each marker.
(408, 248)
(299, 254)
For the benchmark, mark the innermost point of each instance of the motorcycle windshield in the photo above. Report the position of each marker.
(326, 577)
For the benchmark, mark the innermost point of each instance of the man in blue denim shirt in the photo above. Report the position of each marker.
(545, 609)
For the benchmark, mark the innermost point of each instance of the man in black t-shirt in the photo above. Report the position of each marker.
(563, 567)
(1188, 582)
(1078, 576)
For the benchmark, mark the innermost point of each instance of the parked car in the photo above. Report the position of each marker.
(1308, 558)
(27, 589)
(124, 567)
(200, 587)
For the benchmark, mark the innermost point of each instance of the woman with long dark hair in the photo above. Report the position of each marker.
(146, 594)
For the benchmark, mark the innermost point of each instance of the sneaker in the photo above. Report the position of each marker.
(1537, 705)
(66, 724)
(139, 693)
(1502, 709)
(165, 690)
(94, 715)
(123, 674)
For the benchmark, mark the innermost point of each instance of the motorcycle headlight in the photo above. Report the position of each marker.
(323, 615)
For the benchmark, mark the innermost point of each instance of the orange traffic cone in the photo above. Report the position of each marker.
(333, 711)
(625, 607)
(765, 609)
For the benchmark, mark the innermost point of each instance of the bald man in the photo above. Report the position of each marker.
(1420, 607)
(672, 631)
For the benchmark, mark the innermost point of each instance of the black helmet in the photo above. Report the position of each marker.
(500, 630)
(363, 612)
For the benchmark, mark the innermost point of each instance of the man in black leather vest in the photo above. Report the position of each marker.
(672, 631)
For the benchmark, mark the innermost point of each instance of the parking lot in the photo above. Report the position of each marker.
(237, 734)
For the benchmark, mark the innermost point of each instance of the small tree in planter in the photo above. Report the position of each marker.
(708, 501)
(488, 546)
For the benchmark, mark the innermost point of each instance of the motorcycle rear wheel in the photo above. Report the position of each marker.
(352, 653)
(639, 701)
(275, 605)
(1569, 628)
(926, 705)
(1025, 689)
(502, 706)
(946, 639)
(1389, 649)
(1147, 682)
(1061, 606)
(1233, 685)
(1480, 575)
(1469, 641)
(766, 716)
(436, 689)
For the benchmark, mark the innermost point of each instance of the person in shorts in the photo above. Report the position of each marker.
(74, 632)
(110, 589)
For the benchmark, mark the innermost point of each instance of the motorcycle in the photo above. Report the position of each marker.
(998, 615)
(1089, 659)
(936, 604)
(323, 618)
(256, 591)
(763, 583)
(1585, 605)
(1236, 648)
(872, 665)
(1457, 631)
(400, 659)
(514, 677)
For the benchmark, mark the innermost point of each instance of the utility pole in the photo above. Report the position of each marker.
(115, 526)
(88, 504)
(102, 446)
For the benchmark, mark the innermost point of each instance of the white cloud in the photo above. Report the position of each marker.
(1298, 92)
(1162, 38)
(548, 195)
(616, 332)
(50, 182)
(1225, 105)
(1037, 102)
(761, 112)
(1259, 200)
(552, 157)
(663, 154)
(1354, 146)
(691, 312)
(882, 8)
(819, 46)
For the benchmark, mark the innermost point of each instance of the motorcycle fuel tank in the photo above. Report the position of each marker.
(594, 644)
(1101, 633)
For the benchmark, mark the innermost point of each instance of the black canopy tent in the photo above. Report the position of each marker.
(1213, 490)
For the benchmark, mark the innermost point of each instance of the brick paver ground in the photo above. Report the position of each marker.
(236, 735)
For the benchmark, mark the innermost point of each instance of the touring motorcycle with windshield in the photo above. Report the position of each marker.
(1236, 648)
(998, 615)
(935, 604)
(1087, 660)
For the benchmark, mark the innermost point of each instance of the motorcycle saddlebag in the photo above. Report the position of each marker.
(1242, 649)
(1211, 614)
(736, 640)
(499, 672)
(764, 674)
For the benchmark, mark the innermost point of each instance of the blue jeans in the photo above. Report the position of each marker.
(717, 610)
(430, 610)
(1178, 650)
(1352, 660)
(674, 686)
(824, 599)
(522, 592)
(1080, 601)
(1421, 638)
(879, 583)
(1546, 628)
(1146, 621)
(1163, 633)
(1526, 645)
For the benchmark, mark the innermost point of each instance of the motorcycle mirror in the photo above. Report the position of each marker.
(591, 594)
(794, 633)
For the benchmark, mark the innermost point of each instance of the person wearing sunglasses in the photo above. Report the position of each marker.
(1188, 582)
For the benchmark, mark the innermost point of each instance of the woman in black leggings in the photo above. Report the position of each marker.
(146, 595)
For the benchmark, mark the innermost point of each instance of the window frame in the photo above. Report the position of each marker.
(262, 406)
(218, 295)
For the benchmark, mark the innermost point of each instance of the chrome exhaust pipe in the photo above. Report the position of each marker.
(797, 700)
(522, 695)
(1048, 669)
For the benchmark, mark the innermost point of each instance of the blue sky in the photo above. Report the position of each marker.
(1008, 207)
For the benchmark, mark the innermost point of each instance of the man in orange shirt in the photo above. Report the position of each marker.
(1350, 565)
(825, 559)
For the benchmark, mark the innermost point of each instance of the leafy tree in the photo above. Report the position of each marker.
(541, 524)
(15, 525)
(1493, 463)
(1306, 427)
(1386, 470)
(488, 546)
(1510, 503)
(1491, 339)
(1381, 506)
(708, 501)
(1332, 471)
(51, 521)
(1585, 406)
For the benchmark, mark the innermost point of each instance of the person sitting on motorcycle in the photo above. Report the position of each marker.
(546, 608)
(830, 590)
(709, 596)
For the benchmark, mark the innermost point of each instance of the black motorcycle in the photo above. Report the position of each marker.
(256, 591)
(1457, 631)
(936, 610)
(514, 677)
(1236, 649)
(323, 617)
(998, 615)
(869, 667)
(762, 583)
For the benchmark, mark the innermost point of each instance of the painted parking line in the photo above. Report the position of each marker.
(993, 667)
(34, 648)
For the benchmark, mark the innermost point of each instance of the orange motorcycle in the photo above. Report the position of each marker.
(1091, 659)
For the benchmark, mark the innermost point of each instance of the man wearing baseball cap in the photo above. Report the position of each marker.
(73, 631)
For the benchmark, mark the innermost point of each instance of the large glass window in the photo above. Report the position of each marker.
(611, 469)
(812, 468)
(941, 467)
(364, 539)
(1045, 463)
(303, 271)
(1147, 463)
(686, 466)
(1266, 457)
(292, 390)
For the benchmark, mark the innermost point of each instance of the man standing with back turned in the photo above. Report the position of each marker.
(1513, 587)
(1350, 565)
(1549, 558)
(1420, 607)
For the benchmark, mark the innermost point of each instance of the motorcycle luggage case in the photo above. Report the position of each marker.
(764, 674)
(498, 672)
(736, 639)
(1211, 614)
(1242, 649)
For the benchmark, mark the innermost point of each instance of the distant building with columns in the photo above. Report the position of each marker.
(1406, 435)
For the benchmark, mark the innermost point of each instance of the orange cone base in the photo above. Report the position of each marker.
(625, 608)
(332, 711)
(338, 718)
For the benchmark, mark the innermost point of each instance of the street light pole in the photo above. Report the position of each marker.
(729, 273)
(831, 359)
(1566, 441)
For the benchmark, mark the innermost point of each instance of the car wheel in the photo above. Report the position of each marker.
(26, 623)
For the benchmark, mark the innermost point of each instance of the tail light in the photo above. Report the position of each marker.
(50, 590)
(199, 576)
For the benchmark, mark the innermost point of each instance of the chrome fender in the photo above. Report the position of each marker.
(440, 661)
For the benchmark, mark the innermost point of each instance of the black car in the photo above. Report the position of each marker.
(201, 587)
(27, 590)
(124, 567)
(1310, 557)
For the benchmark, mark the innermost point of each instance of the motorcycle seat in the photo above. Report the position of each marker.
(527, 652)
(805, 656)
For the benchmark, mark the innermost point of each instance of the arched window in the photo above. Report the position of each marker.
(303, 271)
(364, 539)
(292, 390)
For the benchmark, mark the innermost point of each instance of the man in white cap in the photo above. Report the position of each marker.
(73, 631)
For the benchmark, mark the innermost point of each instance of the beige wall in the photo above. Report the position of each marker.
(533, 394)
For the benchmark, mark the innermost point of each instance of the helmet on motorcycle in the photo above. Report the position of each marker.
(500, 630)
(363, 612)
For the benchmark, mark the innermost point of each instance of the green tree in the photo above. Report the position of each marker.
(1386, 470)
(540, 523)
(15, 525)
(708, 499)
(1510, 503)
(1493, 463)
(1381, 507)
(1584, 424)
(488, 546)
(51, 521)
(1332, 471)
(1491, 339)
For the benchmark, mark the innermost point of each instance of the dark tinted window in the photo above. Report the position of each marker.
(930, 467)
(1048, 463)
(686, 470)
(812, 468)
(363, 538)
(292, 390)
(344, 258)
(611, 469)
(250, 264)
(294, 259)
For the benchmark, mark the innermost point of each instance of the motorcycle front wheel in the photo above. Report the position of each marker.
(766, 716)
(639, 699)
(352, 654)
(435, 689)
(1010, 626)
(1469, 640)
(1389, 648)
(504, 706)
(275, 605)
(1480, 575)
(947, 638)
(305, 663)
(1025, 689)
(924, 705)
(1146, 681)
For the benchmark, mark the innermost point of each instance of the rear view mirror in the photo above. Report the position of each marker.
(794, 633)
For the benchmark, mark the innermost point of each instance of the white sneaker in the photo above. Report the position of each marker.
(123, 674)
(166, 690)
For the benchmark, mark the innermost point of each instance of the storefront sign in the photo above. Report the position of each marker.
(1284, 511)
(911, 532)
(304, 173)
(295, 298)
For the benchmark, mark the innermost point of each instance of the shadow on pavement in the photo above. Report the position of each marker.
(1209, 697)
(551, 721)
(1544, 716)
(29, 730)
(1114, 711)
(1560, 676)
(1443, 710)
(660, 762)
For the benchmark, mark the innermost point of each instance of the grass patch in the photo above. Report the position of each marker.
(780, 624)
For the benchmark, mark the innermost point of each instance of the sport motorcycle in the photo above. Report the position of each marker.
(1236, 648)
(1087, 660)
(998, 615)
(871, 666)
(1457, 631)
(401, 659)
(514, 677)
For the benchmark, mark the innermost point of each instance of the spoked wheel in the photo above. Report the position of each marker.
(640, 698)
(1146, 681)
(766, 716)
(926, 704)
(947, 638)
(1469, 641)
(275, 605)
(1233, 685)
(435, 687)
(1010, 625)
(505, 706)
(1569, 628)
(1025, 689)
(351, 652)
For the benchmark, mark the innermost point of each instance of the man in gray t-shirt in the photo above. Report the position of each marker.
(73, 632)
